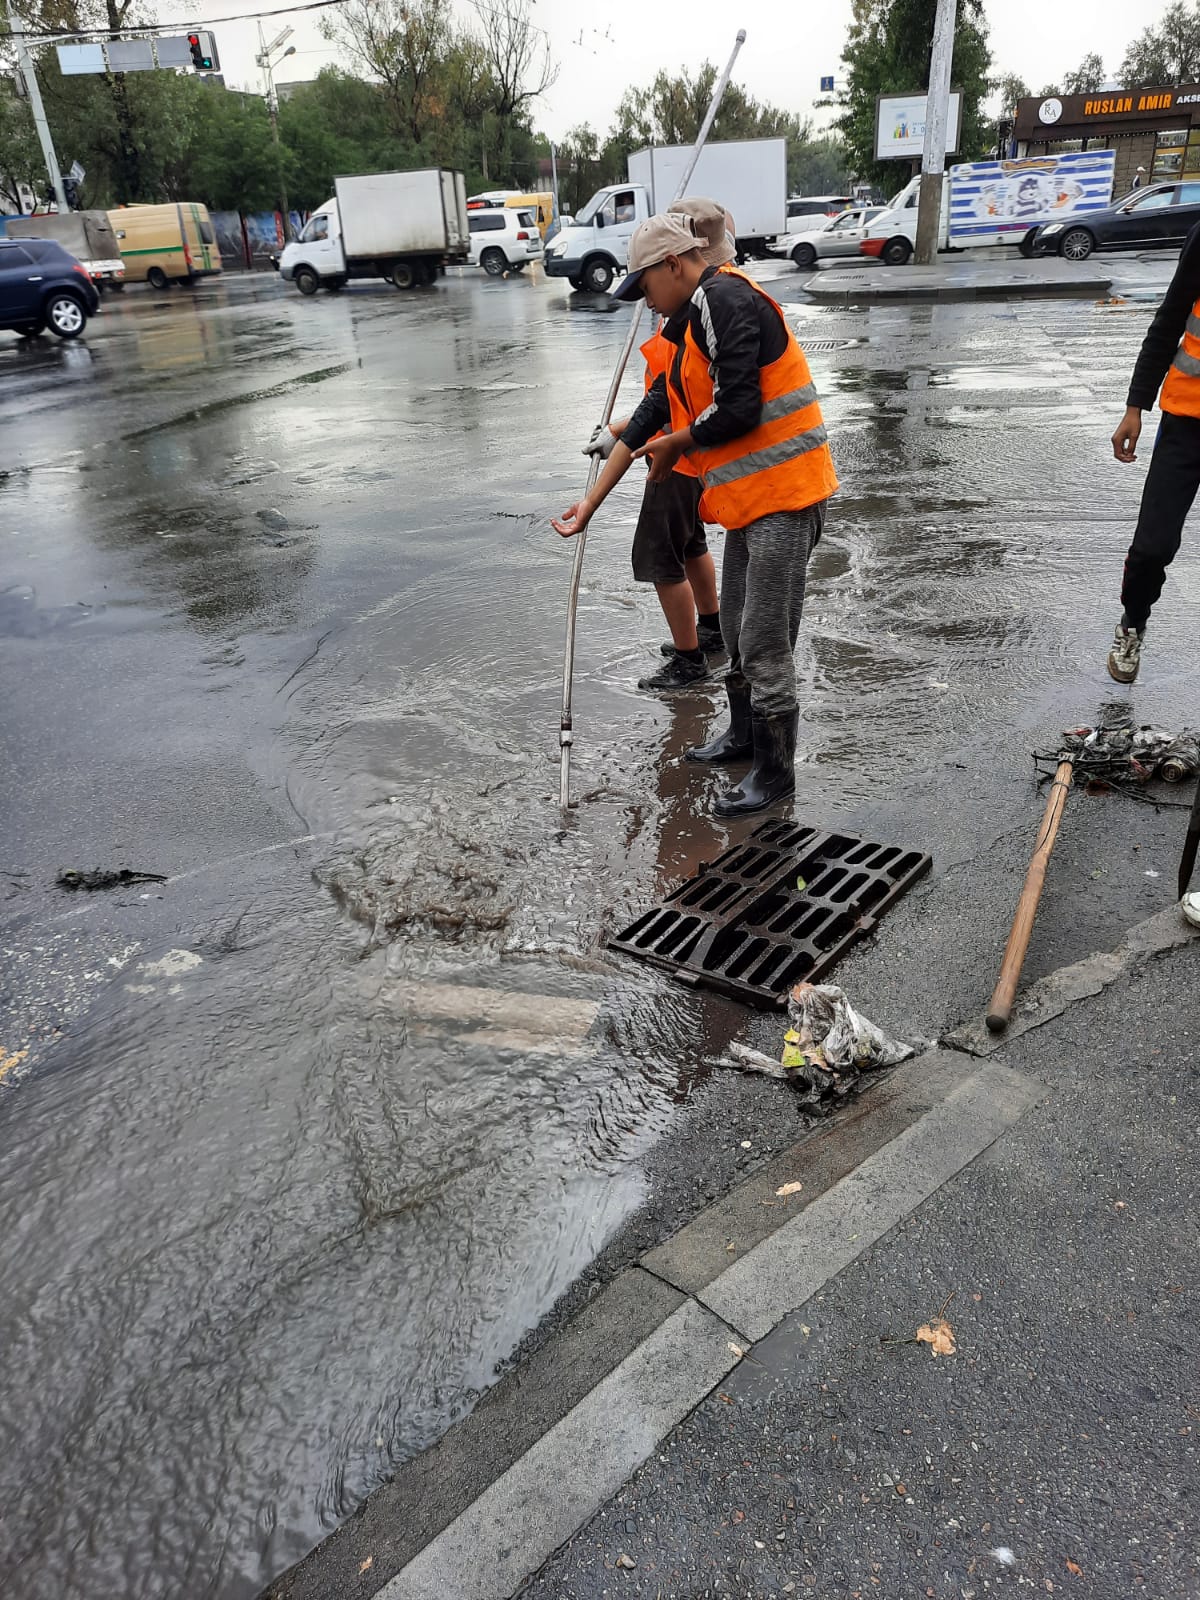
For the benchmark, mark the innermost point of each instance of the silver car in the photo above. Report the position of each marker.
(840, 236)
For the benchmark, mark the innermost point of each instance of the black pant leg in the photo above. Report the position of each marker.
(1171, 485)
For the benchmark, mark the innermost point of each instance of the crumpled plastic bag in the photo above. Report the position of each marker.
(829, 1044)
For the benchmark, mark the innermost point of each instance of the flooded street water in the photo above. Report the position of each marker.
(281, 618)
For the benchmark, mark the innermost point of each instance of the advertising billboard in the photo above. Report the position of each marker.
(900, 126)
(992, 199)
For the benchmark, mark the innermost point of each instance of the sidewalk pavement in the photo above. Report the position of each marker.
(1056, 1451)
(745, 1412)
(958, 278)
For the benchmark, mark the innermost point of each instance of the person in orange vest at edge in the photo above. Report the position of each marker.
(1170, 356)
(670, 547)
(740, 400)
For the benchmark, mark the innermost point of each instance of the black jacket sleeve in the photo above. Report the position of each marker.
(725, 323)
(1166, 330)
(651, 416)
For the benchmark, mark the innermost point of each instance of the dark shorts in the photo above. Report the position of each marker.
(669, 531)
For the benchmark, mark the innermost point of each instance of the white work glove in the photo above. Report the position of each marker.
(601, 443)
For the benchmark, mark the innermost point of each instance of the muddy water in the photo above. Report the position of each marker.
(276, 1209)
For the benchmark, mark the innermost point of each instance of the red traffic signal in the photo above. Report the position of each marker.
(204, 52)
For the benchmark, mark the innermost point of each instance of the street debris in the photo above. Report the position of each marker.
(1074, 1568)
(1106, 758)
(1004, 1556)
(939, 1336)
(788, 1188)
(365, 1566)
(826, 1049)
(626, 1563)
(73, 878)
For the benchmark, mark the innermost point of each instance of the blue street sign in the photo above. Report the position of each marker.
(826, 85)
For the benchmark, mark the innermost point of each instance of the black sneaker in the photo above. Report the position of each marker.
(709, 639)
(677, 672)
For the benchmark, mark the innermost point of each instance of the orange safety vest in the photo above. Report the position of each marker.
(1181, 390)
(659, 353)
(783, 464)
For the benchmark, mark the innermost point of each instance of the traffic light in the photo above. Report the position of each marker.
(204, 52)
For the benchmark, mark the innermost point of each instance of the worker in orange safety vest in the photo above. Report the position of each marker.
(740, 401)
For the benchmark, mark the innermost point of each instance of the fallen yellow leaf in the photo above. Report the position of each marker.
(9, 1061)
(1074, 1567)
(789, 1188)
(365, 1566)
(939, 1336)
(736, 1349)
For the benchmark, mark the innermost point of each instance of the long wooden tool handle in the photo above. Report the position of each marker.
(1005, 992)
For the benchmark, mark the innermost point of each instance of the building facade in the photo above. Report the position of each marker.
(1158, 129)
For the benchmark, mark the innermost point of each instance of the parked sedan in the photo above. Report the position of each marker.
(838, 236)
(41, 287)
(1161, 216)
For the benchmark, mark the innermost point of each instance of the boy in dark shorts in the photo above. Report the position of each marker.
(670, 549)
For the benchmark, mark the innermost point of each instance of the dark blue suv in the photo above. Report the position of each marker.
(43, 287)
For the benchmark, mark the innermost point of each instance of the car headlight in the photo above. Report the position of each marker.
(559, 247)
(1052, 227)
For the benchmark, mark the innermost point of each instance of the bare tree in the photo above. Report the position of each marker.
(518, 54)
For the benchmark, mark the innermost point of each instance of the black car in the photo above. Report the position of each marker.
(43, 287)
(1163, 214)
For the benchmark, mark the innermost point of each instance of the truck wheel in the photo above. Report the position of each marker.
(429, 273)
(1077, 244)
(597, 275)
(494, 263)
(404, 274)
(804, 256)
(157, 278)
(332, 285)
(576, 283)
(65, 315)
(306, 280)
(896, 252)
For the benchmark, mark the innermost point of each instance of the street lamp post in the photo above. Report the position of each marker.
(268, 61)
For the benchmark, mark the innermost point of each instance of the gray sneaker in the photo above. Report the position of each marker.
(1125, 657)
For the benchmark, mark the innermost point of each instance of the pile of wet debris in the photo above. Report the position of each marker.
(1111, 757)
(827, 1048)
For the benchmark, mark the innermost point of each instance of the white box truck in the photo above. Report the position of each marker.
(996, 202)
(87, 235)
(747, 176)
(403, 226)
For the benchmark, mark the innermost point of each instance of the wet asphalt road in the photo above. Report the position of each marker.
(280, 617)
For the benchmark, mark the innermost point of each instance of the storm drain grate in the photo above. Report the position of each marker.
(743, 927)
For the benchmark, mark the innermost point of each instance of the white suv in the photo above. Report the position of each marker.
(503, 239)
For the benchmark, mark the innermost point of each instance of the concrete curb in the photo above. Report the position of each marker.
(867, 289)
(1056, 993)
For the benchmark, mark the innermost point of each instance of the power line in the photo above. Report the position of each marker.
(182, 27)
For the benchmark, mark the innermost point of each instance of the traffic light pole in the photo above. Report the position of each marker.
(25, 62)
(937, 115)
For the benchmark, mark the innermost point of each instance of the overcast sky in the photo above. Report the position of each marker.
(790, 45)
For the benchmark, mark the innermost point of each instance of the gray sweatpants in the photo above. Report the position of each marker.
(762, 598)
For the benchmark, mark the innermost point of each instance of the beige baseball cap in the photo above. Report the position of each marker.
(714, 222)
(653, 241)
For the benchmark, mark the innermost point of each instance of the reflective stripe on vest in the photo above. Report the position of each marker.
(783, 463)
(1181, 391)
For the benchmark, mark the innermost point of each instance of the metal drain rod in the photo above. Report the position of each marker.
(566, 729)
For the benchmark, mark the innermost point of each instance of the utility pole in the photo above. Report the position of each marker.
(554, 177)
(265, 52)
(937, 113)
(25, 62)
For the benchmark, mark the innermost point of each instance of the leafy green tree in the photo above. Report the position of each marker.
(1166, 52)
(1005, 91)
(1087, 77)
(888, 46)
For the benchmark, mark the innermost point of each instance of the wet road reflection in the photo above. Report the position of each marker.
(282, 1199)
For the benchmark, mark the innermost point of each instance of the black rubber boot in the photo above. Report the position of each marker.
(737, 741)
(773, 775)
